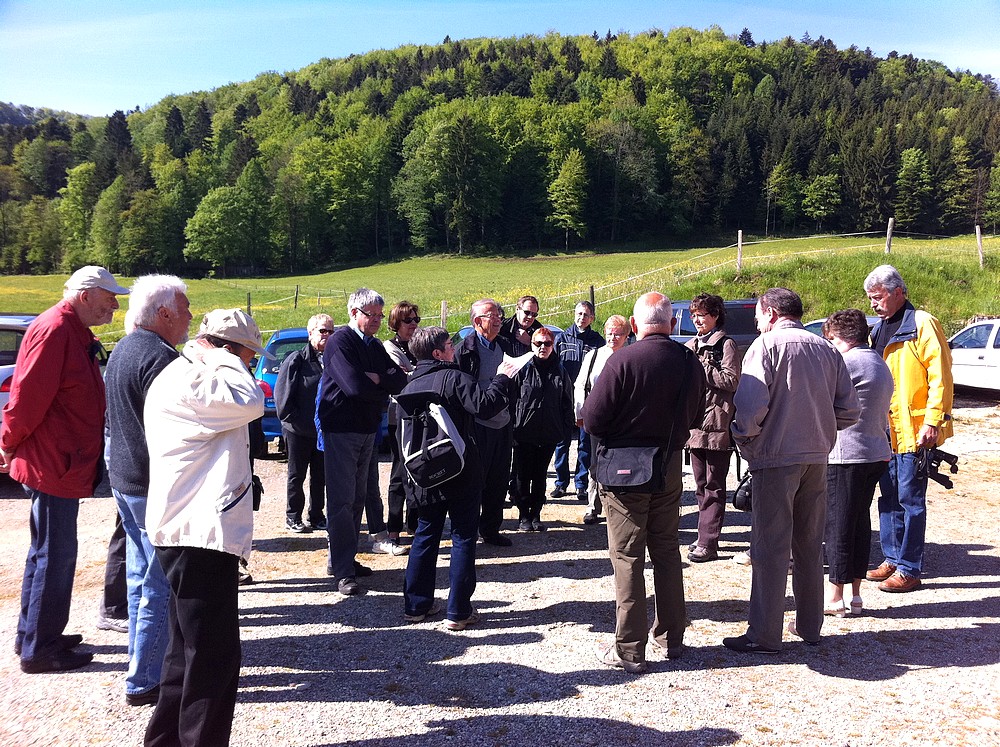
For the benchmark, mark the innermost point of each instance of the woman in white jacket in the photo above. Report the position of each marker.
(616, 332)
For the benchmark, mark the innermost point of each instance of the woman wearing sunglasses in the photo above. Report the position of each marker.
(543, 417)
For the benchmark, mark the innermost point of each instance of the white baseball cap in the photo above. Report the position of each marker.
(234, 325)
(93, 276)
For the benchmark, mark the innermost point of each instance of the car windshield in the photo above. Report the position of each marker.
(280, 351)
(10, 341)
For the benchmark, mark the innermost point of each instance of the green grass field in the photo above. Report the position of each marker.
(943, 276)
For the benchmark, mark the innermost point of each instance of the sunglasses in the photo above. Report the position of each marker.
(529, 314)
(325, 331)
(542, 344)
(412, 320)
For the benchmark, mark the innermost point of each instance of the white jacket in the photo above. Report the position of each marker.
(590, 369)
(196, 416)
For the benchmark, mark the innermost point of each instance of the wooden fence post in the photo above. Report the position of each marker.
(888, 235)
(593, 301)
(249, 313)
(979, 244)
(296, 296)
(739, 250)
(444, 314)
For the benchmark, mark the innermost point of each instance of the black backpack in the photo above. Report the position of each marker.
(433, 451)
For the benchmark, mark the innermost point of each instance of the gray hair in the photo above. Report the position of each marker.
(617, 320)
(885, 276)
(364, 297)
(653, 309)
(784, 301)
(426, 340)
(482, 303)
(148, 294)
(317, 319)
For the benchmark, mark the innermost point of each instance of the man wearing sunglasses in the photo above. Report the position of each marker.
(520, 327)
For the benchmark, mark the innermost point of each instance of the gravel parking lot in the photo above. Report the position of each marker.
(319, 669)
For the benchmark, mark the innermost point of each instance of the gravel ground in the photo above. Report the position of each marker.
(319, 669)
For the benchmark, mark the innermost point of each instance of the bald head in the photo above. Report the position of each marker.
(652, 314)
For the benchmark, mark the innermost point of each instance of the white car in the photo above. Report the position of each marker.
(975, 355)
(12, 329)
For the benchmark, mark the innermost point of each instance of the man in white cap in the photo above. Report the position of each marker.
(199, 517)
(55, 419)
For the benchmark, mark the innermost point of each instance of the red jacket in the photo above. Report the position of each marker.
(55, 417)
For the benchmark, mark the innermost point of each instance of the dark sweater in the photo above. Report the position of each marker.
(635, 399)
(295, 390)
(350, 402)
(574, 343)
(134, 363)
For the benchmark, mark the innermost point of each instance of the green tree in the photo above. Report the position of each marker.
(913, 189)
(39, 235)
(199, 133)
(42, 165)
(76, 209)
(213, 231)
(956, 189)
(822, 198)
(174, 135)
(991, 207)
(568, 196)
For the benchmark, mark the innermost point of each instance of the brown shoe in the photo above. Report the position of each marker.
(882, 572)
(899, 582)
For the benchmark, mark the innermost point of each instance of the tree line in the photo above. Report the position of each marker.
(500, 145)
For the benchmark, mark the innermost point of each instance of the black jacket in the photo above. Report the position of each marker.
(507, 332)
(465, 400)
(573, 343)
(295, 390)
(544, 410)
(467, 353)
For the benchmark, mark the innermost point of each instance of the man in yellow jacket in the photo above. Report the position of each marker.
(916, 350)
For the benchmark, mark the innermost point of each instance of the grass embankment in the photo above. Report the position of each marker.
(943, 275)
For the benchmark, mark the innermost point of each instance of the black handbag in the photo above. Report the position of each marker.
(633, 469)
(743, 495)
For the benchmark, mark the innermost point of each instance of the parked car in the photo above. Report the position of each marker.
(816, 326)
(740, 322)
(975, 355)
(12, 329)
(282, 343)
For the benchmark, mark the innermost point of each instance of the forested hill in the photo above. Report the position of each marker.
(496, 144)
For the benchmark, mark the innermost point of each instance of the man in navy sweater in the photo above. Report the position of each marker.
(358, 377)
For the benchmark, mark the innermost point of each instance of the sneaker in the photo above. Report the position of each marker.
(581, 495)
(899, 582)
(558, 492)
(150, 697)
(609, 657)
(117, 624)
(457, 625)
(297, 526)
(792, 629)
(743, 645)
(524, 525)
(319, 526)
(538, 526)
(348, 587)
(742, 558)
(591, 518)
(692, 546)
(702, 555)
(434, 609)
(881, 573)
(382, 544)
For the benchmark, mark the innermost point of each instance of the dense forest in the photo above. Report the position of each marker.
(504, 145)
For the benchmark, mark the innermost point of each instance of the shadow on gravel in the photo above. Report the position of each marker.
(581, 732)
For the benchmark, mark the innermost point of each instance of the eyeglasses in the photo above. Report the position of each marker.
(542, 344)
(324, 331)
(380, 317)
(491, 317)
(412, 320)
(529, 314)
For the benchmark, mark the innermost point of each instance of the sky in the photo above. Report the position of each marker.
(93, 57)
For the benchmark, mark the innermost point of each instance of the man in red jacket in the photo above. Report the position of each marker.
(51, 441)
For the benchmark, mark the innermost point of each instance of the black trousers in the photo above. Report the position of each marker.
(114, 602)
(849, 492)
(495, 451)
(302, 456)
(396, 496)
(202, 665)
(531, 466)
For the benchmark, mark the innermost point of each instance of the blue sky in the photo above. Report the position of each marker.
(93, 57)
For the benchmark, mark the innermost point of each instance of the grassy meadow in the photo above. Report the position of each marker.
(943, 276)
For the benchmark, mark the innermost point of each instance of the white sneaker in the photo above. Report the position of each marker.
(381, 543)
(742, 558)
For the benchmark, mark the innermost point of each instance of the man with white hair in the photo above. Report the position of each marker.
(647, 398)
(917, 353)
(358, 377)
(199, 516)
(51, 442)
(160, 315)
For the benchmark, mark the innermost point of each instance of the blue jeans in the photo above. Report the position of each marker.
(418, 584)
(48, 573)
(581, 476)
(148, 598)
(902, 512)
(347, 463)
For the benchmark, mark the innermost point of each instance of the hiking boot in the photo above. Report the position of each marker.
(882, 572)
(899, 582)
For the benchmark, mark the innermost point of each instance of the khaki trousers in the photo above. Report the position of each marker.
(789, 516)
(637, 521)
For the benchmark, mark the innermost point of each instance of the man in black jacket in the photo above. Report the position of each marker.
(358, 377)
(437, 379)
(649, 394)
(295, 403)
(480, 355)
(521, 326)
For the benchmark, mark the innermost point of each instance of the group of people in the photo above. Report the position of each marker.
(809, 415)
